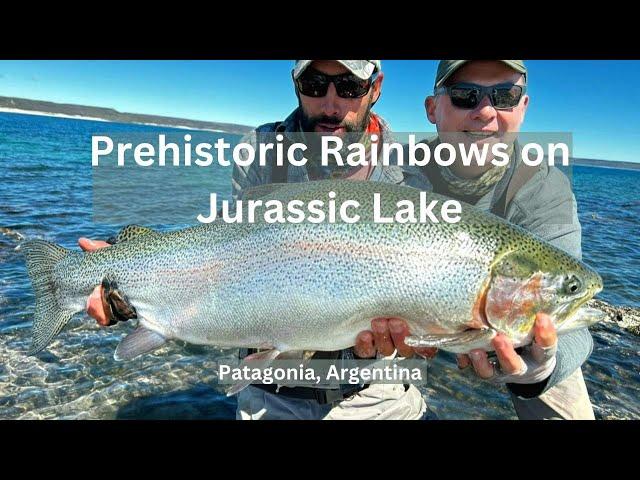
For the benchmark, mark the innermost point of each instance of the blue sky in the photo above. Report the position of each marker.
(598, 101)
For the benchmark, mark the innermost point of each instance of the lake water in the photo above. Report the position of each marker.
(45, 192)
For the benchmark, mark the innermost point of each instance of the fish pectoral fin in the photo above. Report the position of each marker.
(461, 342)
(255, 360)
(583, 318)
(132, 231)
(141, 340)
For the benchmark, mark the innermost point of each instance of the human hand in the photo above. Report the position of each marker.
(95, 308)
(387, 335)
(534, 365)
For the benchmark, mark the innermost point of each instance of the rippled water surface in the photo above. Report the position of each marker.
(45, 192)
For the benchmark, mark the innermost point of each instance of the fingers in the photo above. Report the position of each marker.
(95, 308)
(463, 361)
(382, 336)
(545, 344)
(481, 364)
(398, 329)
(388, 335)
(89, 245)
(544, 331)
(510, 362)
(364, 347)
(426, 352)
(536, 363)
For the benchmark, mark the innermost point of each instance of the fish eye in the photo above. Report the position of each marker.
(572, 285)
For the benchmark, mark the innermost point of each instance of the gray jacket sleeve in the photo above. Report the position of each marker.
(548, 208)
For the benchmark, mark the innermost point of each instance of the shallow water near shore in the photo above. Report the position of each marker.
(46, 193)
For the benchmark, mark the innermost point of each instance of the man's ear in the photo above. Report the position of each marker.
(430, 108)
(377, 88)
(525, 105)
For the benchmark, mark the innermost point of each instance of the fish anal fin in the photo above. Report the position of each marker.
(142, 340)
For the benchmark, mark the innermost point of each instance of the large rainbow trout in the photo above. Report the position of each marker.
(290, 287)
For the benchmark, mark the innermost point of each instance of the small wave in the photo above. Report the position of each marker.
(31, 168)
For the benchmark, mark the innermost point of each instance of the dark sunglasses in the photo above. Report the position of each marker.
(469, 95)
(313, 83)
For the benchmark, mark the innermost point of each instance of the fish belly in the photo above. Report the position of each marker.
(294, 288)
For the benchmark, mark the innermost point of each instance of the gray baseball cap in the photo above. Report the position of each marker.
(361, 68)
(446, 68)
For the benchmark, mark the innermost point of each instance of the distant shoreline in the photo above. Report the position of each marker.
(614, 167)
(101, 114)
(613, 164)
(50, 114)
(96, 119)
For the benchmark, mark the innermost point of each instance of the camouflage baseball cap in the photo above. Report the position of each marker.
(361, 68)
(446, 68)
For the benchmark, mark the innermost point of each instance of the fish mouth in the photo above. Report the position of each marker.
(573, 310)
(585, 316)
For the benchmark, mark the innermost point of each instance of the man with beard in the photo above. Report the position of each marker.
(335, 97)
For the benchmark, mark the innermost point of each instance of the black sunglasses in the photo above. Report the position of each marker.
(503, 96)
(313, 83)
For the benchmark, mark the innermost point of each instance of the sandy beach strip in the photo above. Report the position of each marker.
(50, 114)
(95, 119)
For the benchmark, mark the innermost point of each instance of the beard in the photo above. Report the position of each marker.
(353, 130)
(309, 123)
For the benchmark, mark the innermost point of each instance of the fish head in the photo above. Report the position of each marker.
(539, 279)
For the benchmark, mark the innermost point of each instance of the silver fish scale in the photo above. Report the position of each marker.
(302, 282)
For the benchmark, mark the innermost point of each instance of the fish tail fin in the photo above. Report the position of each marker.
(50, 317)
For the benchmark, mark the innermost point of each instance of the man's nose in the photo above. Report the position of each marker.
(484, 111)
(331, 102)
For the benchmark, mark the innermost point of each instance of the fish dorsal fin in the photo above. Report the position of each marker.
(141, 340)
(261, 191)
(134, 231)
